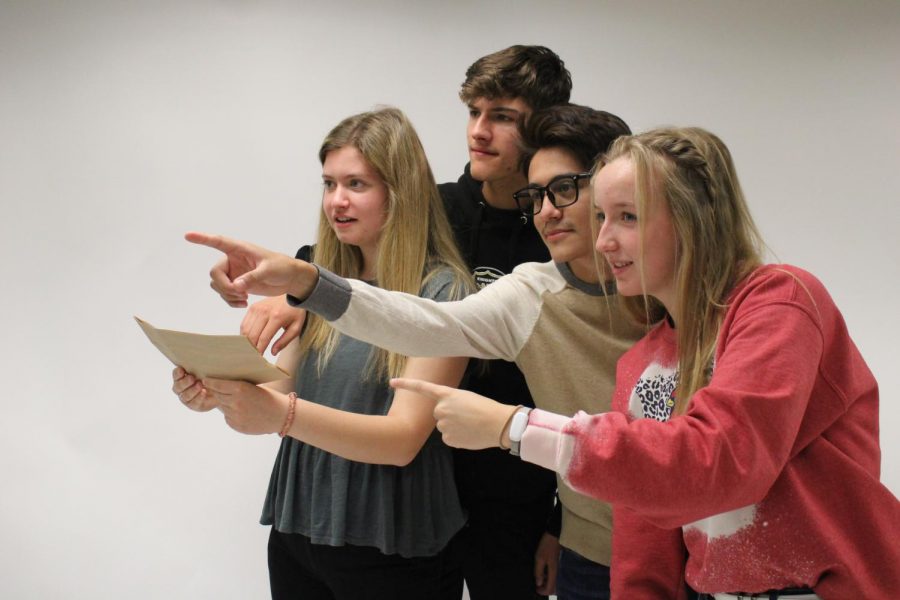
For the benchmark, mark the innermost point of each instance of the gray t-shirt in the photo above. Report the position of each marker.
(411, 511)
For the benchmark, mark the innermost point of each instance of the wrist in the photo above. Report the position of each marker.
(302, 284)
(515, 429)
(503, 439)
(289, 418)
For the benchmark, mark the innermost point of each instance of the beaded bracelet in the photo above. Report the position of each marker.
(289, 419)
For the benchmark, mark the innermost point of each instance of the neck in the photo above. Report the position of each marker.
(584, 269)
(370, 265)
(499, 193)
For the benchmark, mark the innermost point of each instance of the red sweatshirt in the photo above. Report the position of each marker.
(771, 478)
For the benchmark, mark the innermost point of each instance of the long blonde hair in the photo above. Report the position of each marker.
(416, 238)
(718, 243)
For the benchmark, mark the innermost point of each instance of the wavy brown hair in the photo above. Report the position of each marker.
(533, 73)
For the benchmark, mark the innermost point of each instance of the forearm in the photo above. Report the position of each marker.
(395, 438)
(376, 439)
(494, 323)
(632, 463)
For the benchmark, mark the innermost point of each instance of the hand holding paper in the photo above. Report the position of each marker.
(247, 408)
(191, 391)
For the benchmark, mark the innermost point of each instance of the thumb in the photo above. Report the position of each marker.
(245, 282)
(220, 386)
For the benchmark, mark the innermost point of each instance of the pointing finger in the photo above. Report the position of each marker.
(426, 388)
(219, 242)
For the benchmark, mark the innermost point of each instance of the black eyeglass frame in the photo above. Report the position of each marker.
(525, 194)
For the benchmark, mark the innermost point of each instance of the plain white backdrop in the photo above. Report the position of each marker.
(124, 124)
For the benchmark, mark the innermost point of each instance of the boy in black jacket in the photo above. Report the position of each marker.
(509, 501)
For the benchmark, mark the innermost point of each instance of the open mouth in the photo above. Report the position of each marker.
(619, 265)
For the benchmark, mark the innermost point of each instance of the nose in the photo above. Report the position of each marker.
(337, 197)
(606, 241)
(548, 210)
(479, 128)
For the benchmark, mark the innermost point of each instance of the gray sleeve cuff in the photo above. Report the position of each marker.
(329, 299)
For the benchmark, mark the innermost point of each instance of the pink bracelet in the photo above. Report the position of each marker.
(289, 419)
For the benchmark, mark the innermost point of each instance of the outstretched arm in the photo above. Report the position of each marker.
(250, 269)
(465, 419)
(731, 445)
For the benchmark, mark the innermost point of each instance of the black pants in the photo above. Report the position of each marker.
(301, 570)
(496, 551)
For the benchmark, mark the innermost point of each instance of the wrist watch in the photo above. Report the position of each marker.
(517, 429)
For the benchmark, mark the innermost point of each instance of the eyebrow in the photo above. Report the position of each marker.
(555, 178)
(618, 205)
(345, 176)
(499, 109)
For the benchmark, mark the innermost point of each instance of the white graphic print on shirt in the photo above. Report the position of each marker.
(653, 396)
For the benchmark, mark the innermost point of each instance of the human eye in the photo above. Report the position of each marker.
(600, 216)
(356, 184)
(474, 113)
(629, 217)
(564, 187)
(328, 185)
(503, 118)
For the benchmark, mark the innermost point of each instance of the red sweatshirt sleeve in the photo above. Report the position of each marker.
(731, 445)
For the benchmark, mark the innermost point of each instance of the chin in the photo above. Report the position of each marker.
(482, 172)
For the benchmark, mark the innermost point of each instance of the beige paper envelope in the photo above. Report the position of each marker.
(218, 356)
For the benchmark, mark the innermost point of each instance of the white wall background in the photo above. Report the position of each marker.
(124, 124)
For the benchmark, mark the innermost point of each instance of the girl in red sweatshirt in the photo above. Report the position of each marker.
(742, 454)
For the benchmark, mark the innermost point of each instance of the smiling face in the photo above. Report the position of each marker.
(567, 230)
(650, 270)
(355, 202)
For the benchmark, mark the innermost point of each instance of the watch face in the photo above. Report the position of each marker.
(518, 425)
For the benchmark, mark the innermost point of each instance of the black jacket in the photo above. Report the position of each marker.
(493, 242)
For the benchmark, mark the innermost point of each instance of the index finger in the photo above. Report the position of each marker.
(420, 386)
(219, 242)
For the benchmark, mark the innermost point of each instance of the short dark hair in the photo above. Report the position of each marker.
(581, 130)
(534, 73)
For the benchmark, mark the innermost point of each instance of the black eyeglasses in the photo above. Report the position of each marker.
(562, 191)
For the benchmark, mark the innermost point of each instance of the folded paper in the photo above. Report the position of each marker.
(217, 356)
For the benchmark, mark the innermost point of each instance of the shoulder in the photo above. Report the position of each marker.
(547, 273)
(443, 283)
(772, 295)
(780, 284)
(462, 196)
(530, 279)
(305, 253)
